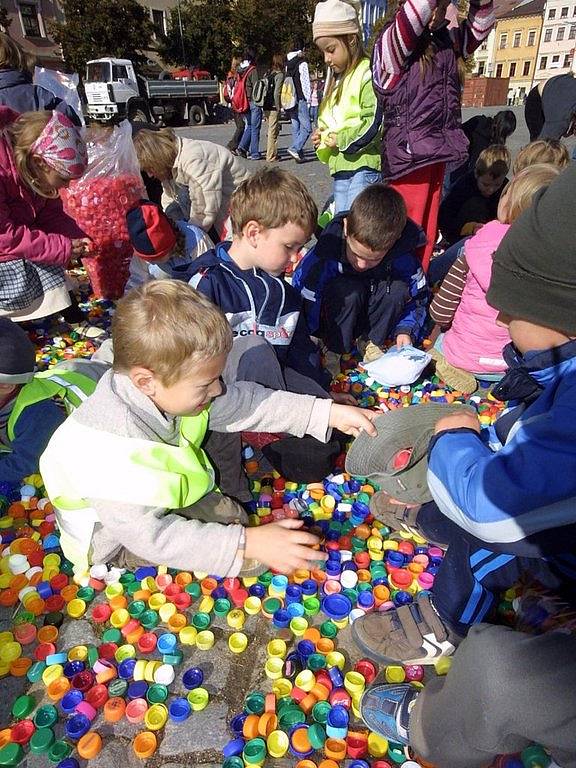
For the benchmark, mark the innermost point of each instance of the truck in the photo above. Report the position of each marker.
(114, 91)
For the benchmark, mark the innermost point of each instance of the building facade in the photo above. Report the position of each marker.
(30, 27)
(517, 39)
(372, 10)
(556, 54)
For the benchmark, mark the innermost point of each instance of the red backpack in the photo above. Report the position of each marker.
(240, 101)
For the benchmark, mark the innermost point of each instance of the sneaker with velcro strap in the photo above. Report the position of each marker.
(386, 709)
(411, 634)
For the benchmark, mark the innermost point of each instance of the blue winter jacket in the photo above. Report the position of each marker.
(327, 260)
(18, 92)
(257, 303)
(526, 490)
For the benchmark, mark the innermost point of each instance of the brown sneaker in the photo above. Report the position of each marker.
(372, 352)
(399, 516)
(412, 634)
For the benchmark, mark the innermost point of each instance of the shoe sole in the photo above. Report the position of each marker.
(423, 662)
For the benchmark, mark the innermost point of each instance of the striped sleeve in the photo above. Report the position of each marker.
(446, 301)
(477, 26)
(398, 41)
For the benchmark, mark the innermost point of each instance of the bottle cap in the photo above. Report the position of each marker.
(156, 717)
(198, 699)
(145, 744)
(89, 745)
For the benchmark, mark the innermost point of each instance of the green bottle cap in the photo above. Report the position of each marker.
(173, 658)
(320, 712)
(11, 755)
(136, 608)
(201, 621)
(222, 606)
(254, 752)
(35, 672)
(396, 752)
(351, 594)
(93, 655)
(363, 586)
(41, 740)
(131, 588)
(193, 589)
(328, 629)
(128, 578)
(117, 687)
(271, 605)
(149, 619)
(254, 703)
(233, 762)
(157, 693)
(112, 635)
(24, 617)
(265, 578)
(291, 717)
(316, 661)
(316, 735)
(86, 593)
(22, 707)
(45, 716)
(66, 567)
(59, 751)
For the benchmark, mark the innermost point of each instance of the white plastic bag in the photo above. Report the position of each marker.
(398, 367)
(63, 86)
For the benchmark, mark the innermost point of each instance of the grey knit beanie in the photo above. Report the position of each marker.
(17, 354)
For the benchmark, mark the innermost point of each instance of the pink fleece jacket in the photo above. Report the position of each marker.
(474, 342)
(31, 227)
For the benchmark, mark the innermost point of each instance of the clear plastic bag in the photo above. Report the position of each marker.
(62, 85)
(99, 201)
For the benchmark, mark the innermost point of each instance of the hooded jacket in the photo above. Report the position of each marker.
(18, 92)
(258, 303)
(327, 260)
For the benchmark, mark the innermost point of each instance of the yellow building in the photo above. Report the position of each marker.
(517, 40)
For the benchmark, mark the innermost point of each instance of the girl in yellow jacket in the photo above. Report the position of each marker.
(348, 135)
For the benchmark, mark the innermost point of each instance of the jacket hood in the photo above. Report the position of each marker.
(11, 77)
(213, 257)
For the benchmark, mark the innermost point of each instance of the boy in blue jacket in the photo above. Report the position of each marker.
(512, 511)
(273, 216)
(363, 278)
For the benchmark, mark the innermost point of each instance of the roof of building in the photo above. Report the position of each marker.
(509, 9)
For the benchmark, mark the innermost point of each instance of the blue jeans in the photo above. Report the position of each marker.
(250, 141)
(346, 190)
(440, 265)
(301, 128)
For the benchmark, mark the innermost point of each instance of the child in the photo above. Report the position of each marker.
(418, 69)
(473, 199)
(349, 121)
(162, 248)
(40, 153)
(273, 216)
(239, 117)
(197, 176)
(145, 425)
(363, 278)
(29, 414)
(549, 151)
(509, 511)
(473, 342)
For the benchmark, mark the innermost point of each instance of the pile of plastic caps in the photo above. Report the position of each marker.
(99, 207)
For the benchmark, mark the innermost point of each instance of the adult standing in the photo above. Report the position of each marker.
(250, 143)
(273, 107)
(297, 69)
(417, 67)
(238, 117)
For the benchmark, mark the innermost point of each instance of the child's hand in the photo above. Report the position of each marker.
(457, 421)
(352, 420)
(316, 138)
(283, 546)
(331, 141)
(81, 246)
(403, 340)
(343, 398)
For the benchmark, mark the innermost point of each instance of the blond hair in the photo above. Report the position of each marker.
(22, 134)
(549, 151)
(156, 151)
(494, 160)
(11, 54)
(273, 198)
(518, 193)
(167, 327)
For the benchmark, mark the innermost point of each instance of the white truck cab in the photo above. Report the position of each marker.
(111, 87)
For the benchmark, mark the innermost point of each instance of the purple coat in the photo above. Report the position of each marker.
(422, 115)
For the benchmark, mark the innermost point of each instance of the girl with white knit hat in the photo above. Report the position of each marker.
(348, 134)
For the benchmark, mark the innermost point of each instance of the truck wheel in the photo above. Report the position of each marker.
(138, 116)
(196, 115)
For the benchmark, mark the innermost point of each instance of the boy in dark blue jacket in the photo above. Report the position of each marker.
(363, 278)
(272, 218)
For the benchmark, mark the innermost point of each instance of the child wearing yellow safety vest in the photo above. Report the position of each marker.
(348, 136)
(148, 492)
(31, 404)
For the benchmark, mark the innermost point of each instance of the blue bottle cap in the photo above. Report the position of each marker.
(166, 643)
(281, 618)
(293, 593)
(179, 710)
(234, 747)
(137, 690)
(193, 678)
(336, 607)
(402, 598)
(309, 587)
(68, 762)
(70, 701)
(145, 571)
(257, 590)
(237, 723)
(305, 648)
(295, 610)
(338, 717)
(72, 668)
(336, 677)
(126, 669)
(77, 726)
(366, 599)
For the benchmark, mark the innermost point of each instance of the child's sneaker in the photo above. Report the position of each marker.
(456, 378)
(399, 516)
(372, 352)
(412, 634)
(386, 710)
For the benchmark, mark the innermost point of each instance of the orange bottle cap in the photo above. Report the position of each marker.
(89, 745)
(145, 744)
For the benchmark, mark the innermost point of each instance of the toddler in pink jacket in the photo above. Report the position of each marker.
(471, 345)
(40, 153)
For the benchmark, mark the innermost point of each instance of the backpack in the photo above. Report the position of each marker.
(240, 101)
(269, 102)
(288, 95)
(229, 87)
(260, 91)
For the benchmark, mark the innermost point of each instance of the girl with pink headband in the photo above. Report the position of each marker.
(40, 153)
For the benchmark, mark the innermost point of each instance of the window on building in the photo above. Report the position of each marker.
(567, 60)
(564, 13)
(572, 34)
(531, 38)
(512, 70)
(560, 33)
(526, 69)
(481, 68)
(517, 39)
(543, 62)
(484, 46)
(548, 35)
(503, 41)
(158, 21)
(499, 70)
(555, 60)
(552, 13)
(30, 20)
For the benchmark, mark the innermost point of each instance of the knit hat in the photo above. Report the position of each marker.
(62, 146)
(17, 354)
(558, 106)
(336, 17)
(534, 269)
(151, 233)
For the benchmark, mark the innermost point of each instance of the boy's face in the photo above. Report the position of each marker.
(189, 395)
(489, 185)
(272, 250)
(360, 257)
(529, 337)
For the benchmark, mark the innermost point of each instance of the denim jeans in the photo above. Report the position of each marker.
(251, 139)
(301, 128)
(346, 190)
(440, 265)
